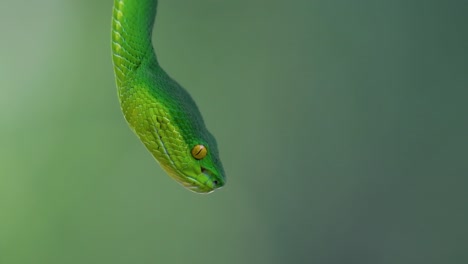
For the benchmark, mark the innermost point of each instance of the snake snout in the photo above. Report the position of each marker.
(214, 181)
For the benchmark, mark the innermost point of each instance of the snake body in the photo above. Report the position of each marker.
(161, 113)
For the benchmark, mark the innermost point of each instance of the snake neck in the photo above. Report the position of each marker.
(132, 26)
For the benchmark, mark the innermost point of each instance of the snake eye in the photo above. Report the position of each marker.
(199, 152)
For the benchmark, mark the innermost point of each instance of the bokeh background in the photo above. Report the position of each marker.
(342, 126)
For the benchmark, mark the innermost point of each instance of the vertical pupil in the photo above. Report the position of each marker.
(199, 152)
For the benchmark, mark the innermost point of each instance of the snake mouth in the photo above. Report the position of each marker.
(205, 182)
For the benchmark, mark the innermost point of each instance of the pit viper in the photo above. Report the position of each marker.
(160, 112)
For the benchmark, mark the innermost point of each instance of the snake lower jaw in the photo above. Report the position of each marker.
(203, 183)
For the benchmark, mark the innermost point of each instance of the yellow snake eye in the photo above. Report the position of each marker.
(199, 152)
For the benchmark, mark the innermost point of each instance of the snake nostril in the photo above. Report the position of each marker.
(216, 183)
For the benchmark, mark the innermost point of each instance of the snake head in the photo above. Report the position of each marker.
(201, 174)
(194, 164)
(207, 173)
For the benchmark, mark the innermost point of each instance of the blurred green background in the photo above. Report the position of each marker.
(342, 126)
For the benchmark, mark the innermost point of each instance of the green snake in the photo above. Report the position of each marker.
(161, 113)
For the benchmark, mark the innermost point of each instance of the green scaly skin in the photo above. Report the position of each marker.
(160, 112)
